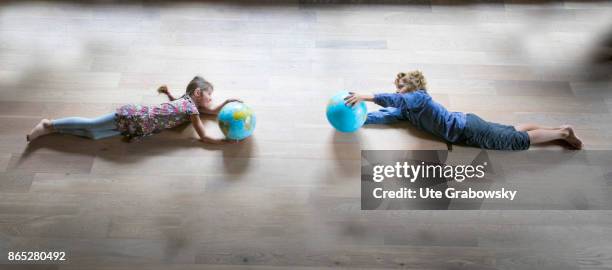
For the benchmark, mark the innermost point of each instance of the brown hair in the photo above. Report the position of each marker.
(198, 82)
(415, 78)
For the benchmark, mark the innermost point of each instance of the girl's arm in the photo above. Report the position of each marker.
(214, 110)
(164, 90)
(199, 128)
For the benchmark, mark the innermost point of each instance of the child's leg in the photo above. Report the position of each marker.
(42, 128)
(565, 132)
(104, 133)
(528, 127)
(77, 126)
(104, 122)
(94, 134)
(490, 135)
(75, 132)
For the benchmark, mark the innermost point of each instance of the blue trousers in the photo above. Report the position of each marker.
(489, 135)
(93, 128)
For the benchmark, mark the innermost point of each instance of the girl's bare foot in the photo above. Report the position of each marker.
(42, 128)
(571, 137)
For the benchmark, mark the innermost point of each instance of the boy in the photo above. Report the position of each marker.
(411, 102)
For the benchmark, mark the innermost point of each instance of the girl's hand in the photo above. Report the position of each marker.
(163, 89)
(353, 98)
(219, 141)
(229, 141)
(208, 140)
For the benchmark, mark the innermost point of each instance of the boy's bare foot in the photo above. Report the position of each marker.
(42, 128)
(571, 138)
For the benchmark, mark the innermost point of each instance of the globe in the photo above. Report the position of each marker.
(343, 117)
(236, 120)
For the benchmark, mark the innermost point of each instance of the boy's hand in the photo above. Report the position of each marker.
(352, 99)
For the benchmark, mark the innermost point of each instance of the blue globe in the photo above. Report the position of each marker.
(236, 120)
(345, 118)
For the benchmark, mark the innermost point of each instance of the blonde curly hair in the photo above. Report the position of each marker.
(411, 81)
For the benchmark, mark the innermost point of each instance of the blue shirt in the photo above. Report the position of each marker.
(422, 111)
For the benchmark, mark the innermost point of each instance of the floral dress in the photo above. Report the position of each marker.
(137, 121)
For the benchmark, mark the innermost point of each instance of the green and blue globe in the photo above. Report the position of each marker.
(345, 118)
(236, 120)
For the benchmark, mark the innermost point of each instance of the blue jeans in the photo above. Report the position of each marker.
(489, 135)
(96, 128)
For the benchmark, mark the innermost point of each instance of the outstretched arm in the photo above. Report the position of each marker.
(387, 115)
(354, 98)
(385, 100)
(199, 128)
(164, 90)
(214, 110)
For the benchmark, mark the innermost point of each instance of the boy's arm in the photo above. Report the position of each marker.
(384, 100)
(389, 100)
(354, 98)
(199, 128)
(387, 115)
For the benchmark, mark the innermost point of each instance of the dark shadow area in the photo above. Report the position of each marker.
(603, 53)
(346, 148)
(434, 2)
(560, 143)
(236, 156)
(599, 63)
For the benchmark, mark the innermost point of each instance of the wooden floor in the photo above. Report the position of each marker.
(288, 197)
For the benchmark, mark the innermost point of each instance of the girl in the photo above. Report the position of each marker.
(137, 121)
(411, 102)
